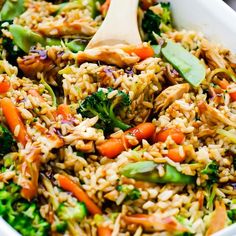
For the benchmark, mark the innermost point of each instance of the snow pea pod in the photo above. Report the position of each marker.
(12, 9)
(184, 62)
(147, 171)
(25, 38)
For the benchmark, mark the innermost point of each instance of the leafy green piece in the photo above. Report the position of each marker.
(105, 107)
(22, 215)
(25, 38)
(50, 91)
(6, 140)
(75, 45)
(157, 23)
(12, 50)
(212, 171)
(184, 62)
(232, 215)
(12, 9)
(131, 193)
(147, 171)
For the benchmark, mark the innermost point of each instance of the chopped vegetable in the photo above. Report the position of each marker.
(232, 215)
(184, 62)
(175, 155)
(20, 214)
(25, 38)
(67, 184)
(155, 222)
(212, 171)
(50, 91)
(75, 45)
(77, 213)
(12, 9)
(105, 106)
(104, 7)
(218, 220)
(142, 51)
(114, 146)
(14, 120)
(156, 22)
(64, 111)
(147, 171)
(6, 140)
(131, 193)
(104, 231)
(174, 133)
(4, 86)
(222, 70)
(12, 50)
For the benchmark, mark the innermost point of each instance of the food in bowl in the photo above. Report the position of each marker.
(123, 140)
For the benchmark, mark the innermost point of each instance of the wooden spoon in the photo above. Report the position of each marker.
(120, 25)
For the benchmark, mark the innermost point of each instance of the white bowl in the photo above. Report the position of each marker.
(218, 23)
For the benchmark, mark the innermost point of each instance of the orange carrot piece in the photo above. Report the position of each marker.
(142, 131)
(142, 51)
(30, 174)
(175, 134)
(233, 96)
(4, 86)
(64, 111)
(35, 93)
(67, 184)
(104, 231)
(223, 83)
(13, 120)
(114, 146)
(104, 7)
(218, 220)
(111, 147)
(175, 155)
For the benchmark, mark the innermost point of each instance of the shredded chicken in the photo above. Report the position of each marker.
(211, 115)
(214, 59)
(110, 55)
(169, 95)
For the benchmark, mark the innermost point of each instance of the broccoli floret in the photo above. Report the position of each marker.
(100, 104)
(131, 193)
(20, 214)
(12, 50)
(232, 215)
(6, 140)
(212, 171)
(77, 213)
(157, 23)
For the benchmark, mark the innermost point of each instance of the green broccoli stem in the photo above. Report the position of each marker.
(119, 124)
(147, 171)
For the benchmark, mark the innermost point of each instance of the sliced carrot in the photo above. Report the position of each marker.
(104, 231)
(4, 86)
(67, 184)
(111, 147)
(223, 83)
(30, 174)
(104, 7)
(114, 146)
(142, 51)
(175, 134)
(14, 120)
(155, 222)
(142, 131)
(35, 93)
(175, 155)
(218, 220)
(233, 96)
(64, 111)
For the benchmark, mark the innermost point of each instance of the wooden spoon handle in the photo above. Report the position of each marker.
(120, 25)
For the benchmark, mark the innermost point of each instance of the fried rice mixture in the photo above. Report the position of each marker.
(124, 140)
